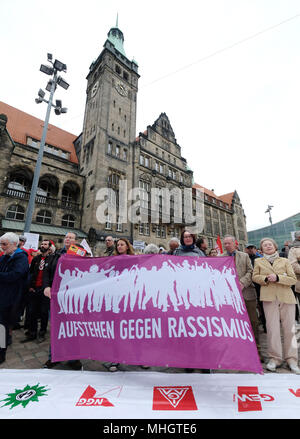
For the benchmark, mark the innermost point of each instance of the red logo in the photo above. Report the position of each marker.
(89, 398)
(173, 398)
(297, 393)
(249, 399)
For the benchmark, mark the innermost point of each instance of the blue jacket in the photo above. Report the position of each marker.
(14, 272)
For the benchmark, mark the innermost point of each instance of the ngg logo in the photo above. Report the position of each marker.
(249, 399)
(89, 398)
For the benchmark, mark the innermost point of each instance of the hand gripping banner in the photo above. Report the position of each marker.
(157, 310)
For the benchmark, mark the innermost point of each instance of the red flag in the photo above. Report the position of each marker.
(218, 246)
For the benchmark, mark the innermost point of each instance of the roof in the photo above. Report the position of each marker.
(227, 198)
(21, 125)
(18, 226)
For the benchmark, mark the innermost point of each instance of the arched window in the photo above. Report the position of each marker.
(68, 221)
(15, 212)
(44, 217)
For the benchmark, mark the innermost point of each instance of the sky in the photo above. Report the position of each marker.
(226, 73)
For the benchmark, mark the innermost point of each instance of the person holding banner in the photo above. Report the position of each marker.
(244, 270)
(275, 275)
(188, 247)
(123, 247)
(48, 277)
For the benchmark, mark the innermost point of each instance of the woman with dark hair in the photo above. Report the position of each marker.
(188, 245)
(188, 248)
(123, 247)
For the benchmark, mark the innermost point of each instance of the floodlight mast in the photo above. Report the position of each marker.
(31, 203)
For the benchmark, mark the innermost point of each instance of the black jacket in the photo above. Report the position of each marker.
(50, 267)
(34, 269)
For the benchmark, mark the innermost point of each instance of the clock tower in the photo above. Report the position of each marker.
(109, 131)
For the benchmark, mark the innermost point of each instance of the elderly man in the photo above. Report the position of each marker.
(174, 243)
(244, 271)
(14, 270)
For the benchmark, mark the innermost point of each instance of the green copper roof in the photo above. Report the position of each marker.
(116, 37)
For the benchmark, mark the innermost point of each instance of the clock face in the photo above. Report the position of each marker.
(121, 89)
(94, 89)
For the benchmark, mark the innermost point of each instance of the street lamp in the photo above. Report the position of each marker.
(269, 211)
(57, 66)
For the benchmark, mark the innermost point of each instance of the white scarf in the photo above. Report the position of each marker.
(271, 258)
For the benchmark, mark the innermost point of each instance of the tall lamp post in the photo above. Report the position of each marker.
(269, 211)
(53, 71)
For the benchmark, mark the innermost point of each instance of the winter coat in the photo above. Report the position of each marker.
(244, 271)
(281, 289)
(14, 272)
(181, 251)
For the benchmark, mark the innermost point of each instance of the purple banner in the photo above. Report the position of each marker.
(157, 310)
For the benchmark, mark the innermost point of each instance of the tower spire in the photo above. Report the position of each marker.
(117, 21)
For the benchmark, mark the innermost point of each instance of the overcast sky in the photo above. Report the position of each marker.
(226, 72)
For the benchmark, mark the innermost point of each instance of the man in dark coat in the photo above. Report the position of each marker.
(38, 304)
(14, 269)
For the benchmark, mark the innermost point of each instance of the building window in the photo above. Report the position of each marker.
(68, 221)
(210, 243)
(108, 222)
(125, 154)
(44, 217)
(118, 151)
(109, 148)
(144, 194)
(15, 212)
(119, 225)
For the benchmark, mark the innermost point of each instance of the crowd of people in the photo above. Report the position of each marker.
(269, 282)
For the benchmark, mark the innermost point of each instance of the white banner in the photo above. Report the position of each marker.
(60, 394)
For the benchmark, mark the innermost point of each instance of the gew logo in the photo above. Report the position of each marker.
(249, 399)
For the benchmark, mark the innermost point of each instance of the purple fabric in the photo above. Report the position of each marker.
(157, 310)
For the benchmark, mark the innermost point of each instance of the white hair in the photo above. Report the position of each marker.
(231, 237)
(10, 237)
(174, 239)
(151, 249)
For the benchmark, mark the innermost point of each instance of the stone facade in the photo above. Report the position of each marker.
(109, 155)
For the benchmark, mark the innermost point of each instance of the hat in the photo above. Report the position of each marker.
(250, 245)
(22, 238)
